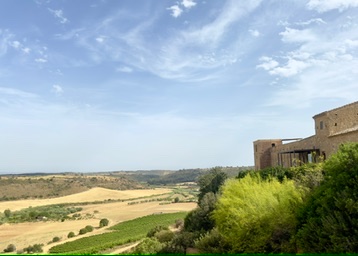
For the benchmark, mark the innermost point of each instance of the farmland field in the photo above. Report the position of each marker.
(25, 234)
(122, 233)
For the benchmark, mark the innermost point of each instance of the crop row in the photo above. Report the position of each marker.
(122, 233)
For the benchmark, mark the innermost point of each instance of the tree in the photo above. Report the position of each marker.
(71, 234)
(83, 231)
(211, 181)
(56, 239)
(89, 228)
(103, 223)
(328, 223)
(7, 213)
(257, 216)
(10, 248)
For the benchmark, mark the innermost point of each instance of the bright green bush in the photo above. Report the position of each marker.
(256, 216)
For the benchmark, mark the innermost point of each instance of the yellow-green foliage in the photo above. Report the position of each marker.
(256, 215)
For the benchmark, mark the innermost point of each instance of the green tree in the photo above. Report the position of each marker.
(200, 219)
(103, 223)
(71, 234)
(329, 219)
(56, 239)
(211, 181)
(89, 228)
(257, 216)
(7, 213)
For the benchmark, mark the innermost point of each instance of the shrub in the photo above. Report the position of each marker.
(212, 242)
(329, 220)
(33, 248)
(89, 228)
(256, 216)
(10, 248)
(56, 239)
(71, 234)
(164, 236)
(179, 223)
(155, 230)
(83, 231)
(148, 246)
(103, 223)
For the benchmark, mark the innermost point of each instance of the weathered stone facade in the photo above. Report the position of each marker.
(332, 128)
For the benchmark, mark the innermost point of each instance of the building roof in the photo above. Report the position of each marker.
(344, 106)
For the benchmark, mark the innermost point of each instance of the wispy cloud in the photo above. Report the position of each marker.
(124, 69)
(328, 5)
(254, 32)
(317, 62)
(176, 10)
(16, 92)
(59, 15)
(40, 60)
(57, 89)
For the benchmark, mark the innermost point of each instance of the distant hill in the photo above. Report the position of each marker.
(165, 177)
(24, 186)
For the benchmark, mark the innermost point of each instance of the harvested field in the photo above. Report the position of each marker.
(95, 194)
(25, 234)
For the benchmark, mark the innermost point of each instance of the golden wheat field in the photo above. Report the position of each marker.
(25, 234)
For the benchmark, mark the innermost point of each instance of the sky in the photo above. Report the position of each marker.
(110, 85)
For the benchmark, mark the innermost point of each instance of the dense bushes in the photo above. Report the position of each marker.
(258, 216)
(329, 220)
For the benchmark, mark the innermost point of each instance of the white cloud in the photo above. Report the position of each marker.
(57, 89)
(351, 43)
(59, 15)
(188, 3)
(292, 67)
(176, 11)
(267, 63)
(328, 5)
(124, 69)
(308, 22)
(291, 35)
(15, 44)
(254, 32)
(41, 60)
(26, 50)
(100, 39)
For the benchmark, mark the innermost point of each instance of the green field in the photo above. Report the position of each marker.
(122, 233)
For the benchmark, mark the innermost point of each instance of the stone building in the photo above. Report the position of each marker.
(332, 128)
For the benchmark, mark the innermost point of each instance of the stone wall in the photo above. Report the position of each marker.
(332, 128)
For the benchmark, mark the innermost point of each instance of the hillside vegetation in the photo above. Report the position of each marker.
(48, 186)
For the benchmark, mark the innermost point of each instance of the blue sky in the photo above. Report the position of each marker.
(161, 84)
